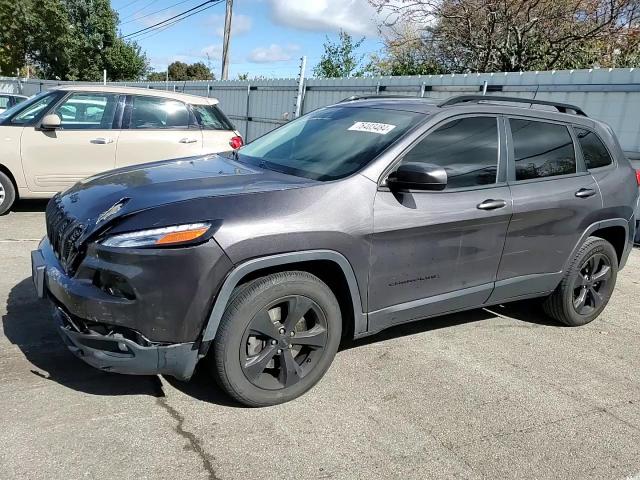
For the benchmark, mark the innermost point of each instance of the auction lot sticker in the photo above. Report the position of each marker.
(372, 127)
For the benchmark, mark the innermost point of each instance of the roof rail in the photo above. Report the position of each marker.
(353, 98)
(561, 107)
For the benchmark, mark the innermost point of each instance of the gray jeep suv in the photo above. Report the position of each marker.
(349, 220)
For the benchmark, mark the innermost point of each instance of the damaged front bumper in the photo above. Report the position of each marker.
(116, 353)
(145, 335)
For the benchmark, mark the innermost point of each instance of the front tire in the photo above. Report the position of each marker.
(7, 193)
(587, 285)
(276, 339)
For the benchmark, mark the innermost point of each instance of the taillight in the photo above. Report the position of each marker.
(236, 142)
(638, 177)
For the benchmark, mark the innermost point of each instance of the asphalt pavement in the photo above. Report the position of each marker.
(499, 393)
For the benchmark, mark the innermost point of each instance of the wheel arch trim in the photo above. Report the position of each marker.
(250, 266)
(611, 222)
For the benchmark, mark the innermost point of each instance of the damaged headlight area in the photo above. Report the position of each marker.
(159, 237)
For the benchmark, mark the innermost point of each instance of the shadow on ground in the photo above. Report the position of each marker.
(30, 206)
(29, 325)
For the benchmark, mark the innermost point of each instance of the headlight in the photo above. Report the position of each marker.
(158, 236)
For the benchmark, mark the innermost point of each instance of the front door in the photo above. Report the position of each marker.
(84, 145)
(158, 129)
(434, 252)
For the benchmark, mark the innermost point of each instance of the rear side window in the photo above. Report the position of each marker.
(156, 112)
(210, 118)
(4, 102)
(593, 150)
(542, 149)
(466, 148)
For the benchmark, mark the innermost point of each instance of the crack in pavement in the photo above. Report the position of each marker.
(193, 442)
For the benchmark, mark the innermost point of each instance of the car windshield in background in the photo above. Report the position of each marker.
(330, 143)
(28, 110)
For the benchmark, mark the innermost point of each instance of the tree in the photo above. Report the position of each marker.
(199, 71)
(340, 59)
(180, 71)
(404, 55)
(489, 35)
(67, 40)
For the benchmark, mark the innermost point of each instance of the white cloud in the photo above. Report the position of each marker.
(273, 53)
(357, 17)
(214, 52)
(240, 24)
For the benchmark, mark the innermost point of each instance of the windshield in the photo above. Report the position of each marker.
(329, 143)
(40, 101)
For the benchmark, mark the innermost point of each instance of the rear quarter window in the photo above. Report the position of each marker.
(594, 152)
(211, 118)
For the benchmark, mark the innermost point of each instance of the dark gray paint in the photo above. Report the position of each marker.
(405, 256)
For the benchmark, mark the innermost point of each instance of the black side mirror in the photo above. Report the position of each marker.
(417, 176)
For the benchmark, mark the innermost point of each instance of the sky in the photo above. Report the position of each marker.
(268, 36)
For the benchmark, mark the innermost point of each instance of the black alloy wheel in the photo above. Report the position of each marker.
(283, 342)
(589, 282)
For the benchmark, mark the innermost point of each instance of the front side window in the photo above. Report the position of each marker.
(4, 102)
(210, 118)
(593, 150)
(88, 111)
(542, 149)
(330, 143)
(157, 112)
(466, 148)
(32, 109)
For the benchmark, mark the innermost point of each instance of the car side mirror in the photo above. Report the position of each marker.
(50, 122)
(417, 176)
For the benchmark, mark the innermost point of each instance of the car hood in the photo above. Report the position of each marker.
(100, 199)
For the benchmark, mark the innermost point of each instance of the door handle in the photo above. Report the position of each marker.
(492, 204)
(585, 193)
(102, 141)
(188, 140)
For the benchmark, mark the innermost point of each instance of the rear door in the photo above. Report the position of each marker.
(555, 199)
(84, 145)
(434, 252)
(156, 128)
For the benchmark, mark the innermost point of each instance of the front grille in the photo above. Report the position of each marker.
(64, 232)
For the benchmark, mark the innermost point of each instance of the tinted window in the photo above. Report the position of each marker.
(4, 102)
(593, 150)
(88, 111)
(152, 112)
(467, 149)
(210, 118)
(542, 149)
(329, 143)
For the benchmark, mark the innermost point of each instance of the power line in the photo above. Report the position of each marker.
(172, 18)
(161, 26)
(127, 5)
(139, 10)
(156, 12)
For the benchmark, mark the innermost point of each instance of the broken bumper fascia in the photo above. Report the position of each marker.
(122, 355)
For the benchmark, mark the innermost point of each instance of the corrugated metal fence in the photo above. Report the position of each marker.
(256, 107)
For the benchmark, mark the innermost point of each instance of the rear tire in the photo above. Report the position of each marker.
(7, 193)
(587, 285)
(277, 338)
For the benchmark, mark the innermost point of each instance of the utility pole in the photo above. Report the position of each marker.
(225, 41)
